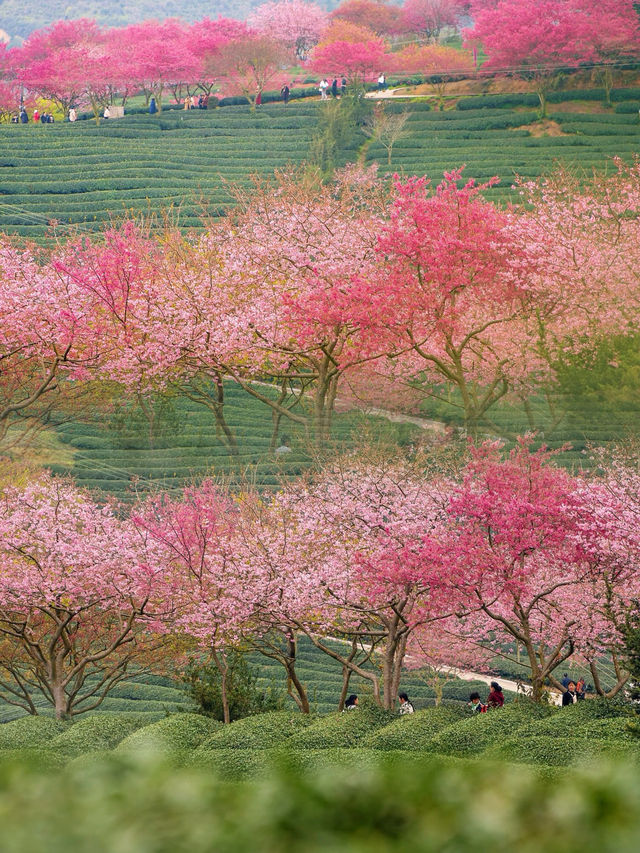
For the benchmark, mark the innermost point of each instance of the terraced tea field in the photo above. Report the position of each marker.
(502, 142)
(114, 451)
(180, 161)
(81, 173)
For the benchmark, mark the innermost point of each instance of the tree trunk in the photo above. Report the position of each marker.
(223, 668)
(300, 697)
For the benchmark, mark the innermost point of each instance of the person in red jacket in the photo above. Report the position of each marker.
(495, 699)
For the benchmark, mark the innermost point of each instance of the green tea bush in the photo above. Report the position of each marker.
(345, 729)
(414, 731)
(133, 807)
(96, 732)
(474, 735)
(29, 732)
(260, 732)
(177, 733)
(560, 751)
(597, 718)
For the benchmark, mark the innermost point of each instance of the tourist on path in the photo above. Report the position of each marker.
(334, 87)
(72, 114)
(152, 107)
(324, 85)
(284, 92)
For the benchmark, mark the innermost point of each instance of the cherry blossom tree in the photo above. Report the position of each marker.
(429, 17)
(206, 37)
(297, 24)
(79, 601)
(454, 297)
(248, 64)
(375, 535)
(380, 17)
(585, 236)
(53, 62)
(153, 67)
(538, 40)
(358, 61)
(436, 63)
(341, 29)
(46, 342)
(194, 538)
(518, 555)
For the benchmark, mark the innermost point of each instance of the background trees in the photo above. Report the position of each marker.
(79, 600)
(540, 40)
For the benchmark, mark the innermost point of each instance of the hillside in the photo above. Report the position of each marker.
(82, 174)
(20, 19)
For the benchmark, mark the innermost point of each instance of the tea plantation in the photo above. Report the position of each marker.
(520, 733)
(83, 175)
(495, 136)
(114, 450)
(177, 162)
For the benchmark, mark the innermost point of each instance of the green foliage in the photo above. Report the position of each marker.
(561, 751)
(346, 729)
(259, 732)
(441, 805)
(178, 733)
(472, 736)
(414, 731)
(29, 732)
(96, 732)
(338, 130)
(244, 697)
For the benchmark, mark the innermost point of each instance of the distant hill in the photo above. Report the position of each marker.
(19, 18)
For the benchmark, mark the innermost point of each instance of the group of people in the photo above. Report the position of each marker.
(23, 117)
(335, 87)
(199, 103)
(495, 699)
(406, 706)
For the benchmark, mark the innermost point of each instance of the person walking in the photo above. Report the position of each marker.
(324, 85)
(36, 115)
(284, 93)
(406, 707)
(334, 88)
(495, 699)
(343, 86)
(382, 83)
(153, 109)
(72, 114)
(106, 113)
(24, 118)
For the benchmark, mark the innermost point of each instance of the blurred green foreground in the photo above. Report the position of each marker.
(428, 804)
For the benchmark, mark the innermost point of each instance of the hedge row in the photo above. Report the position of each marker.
(528, 99)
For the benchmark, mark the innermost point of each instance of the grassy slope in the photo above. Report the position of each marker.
(82, 174)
